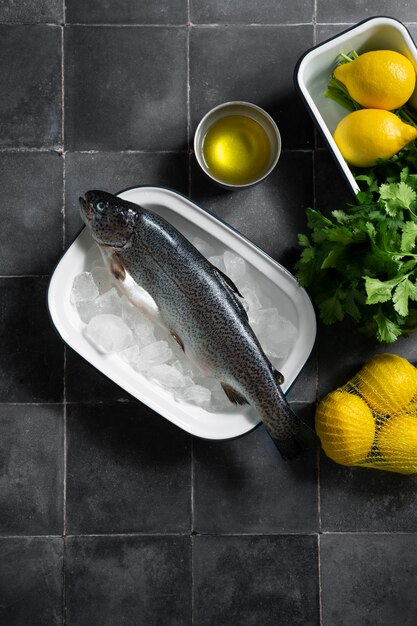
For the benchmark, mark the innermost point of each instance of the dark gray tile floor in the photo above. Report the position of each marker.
(109, 514)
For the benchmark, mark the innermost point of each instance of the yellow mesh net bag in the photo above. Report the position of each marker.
(371, 421)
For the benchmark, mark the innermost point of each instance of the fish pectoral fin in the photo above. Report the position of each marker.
(279, 378)
(177, 339)
(116, 267)
(229, 282)
(233, 395)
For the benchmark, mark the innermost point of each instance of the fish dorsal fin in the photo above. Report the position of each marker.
(229, 282)
(279, 378)
(233, 395)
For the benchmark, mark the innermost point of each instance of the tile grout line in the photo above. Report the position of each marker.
(62, 128)
(63, 248)
(320, 599)
(64, 486)
(188, 98)
(314, 22)
(185, 24)
(319, 578)
(144, 535)
(189, 195)
(63, 152)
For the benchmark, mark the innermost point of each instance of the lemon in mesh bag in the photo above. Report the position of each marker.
(372, 420)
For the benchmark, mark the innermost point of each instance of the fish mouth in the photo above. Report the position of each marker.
(86, 209)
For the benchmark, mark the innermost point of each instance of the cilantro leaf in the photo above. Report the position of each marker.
(396, 196)
(378, 290)
(351, 306)
(387, 330)
(404, 290)
(408, 237)
(400, 297)
(331, 309)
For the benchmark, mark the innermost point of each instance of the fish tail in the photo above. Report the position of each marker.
(289, 448)
(284, 428)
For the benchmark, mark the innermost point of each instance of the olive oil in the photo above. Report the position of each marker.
(236, 150)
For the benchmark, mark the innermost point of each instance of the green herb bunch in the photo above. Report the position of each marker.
(361, 262)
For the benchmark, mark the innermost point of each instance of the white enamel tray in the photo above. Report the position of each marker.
(313, 71)
(291, 300)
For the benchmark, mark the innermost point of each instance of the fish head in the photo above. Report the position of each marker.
(110, 219)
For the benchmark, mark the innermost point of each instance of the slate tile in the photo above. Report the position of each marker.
(31, 581)
(244, 486)
(331, 189)
(30, 115)
(361, 499)
(41, 11)
(139, 96)
(133, 580)
(304, 388)
(31, 483)
(257, 66)
(32, 212)
(247, 12)
(326, 31)
(271, 213)
(127, 12)
(32, 356)
(352, 11)
(368, 579)
(128, 471)
(115, 171)
(256, 580)
(342, 350)
(412, 29)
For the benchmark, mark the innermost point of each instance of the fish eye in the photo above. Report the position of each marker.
(101, 206)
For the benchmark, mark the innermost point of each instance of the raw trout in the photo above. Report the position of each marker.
(197, 303)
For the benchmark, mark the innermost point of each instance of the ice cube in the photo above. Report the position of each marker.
(83, 288)
(142, 327)
(155, 353)
(131, 355)
(251, 300)
(93, 256)
(218, 401)
(184, 365)
(218, 262)
(235, 266)
(102, 278)
(144, 334)
(129, 312)
(108, 302)
(168, 376)
(196, 394)
(276, 334)
(202, 246)
(109, 333)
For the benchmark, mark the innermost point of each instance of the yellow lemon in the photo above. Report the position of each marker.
(345, 426)
(381, 79)
(387, 382)
(397, 442)
(370, 134)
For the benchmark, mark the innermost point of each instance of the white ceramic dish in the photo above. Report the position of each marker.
(313, 71)
(192, 221)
